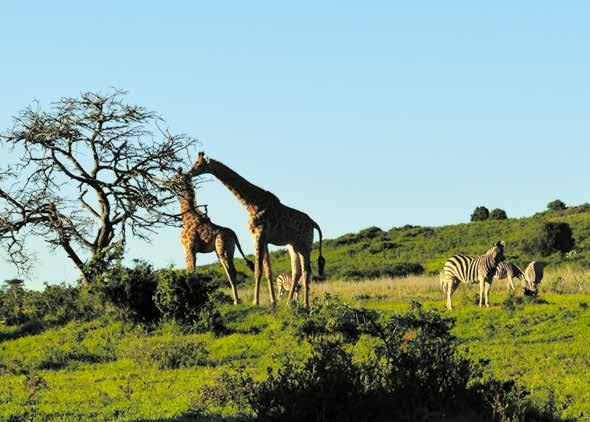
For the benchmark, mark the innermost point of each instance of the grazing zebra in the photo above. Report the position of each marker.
(284, 282)
(510, 271)
(533, 274)
(471, 269)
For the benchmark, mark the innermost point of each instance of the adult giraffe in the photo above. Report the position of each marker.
(270, 223)
(200, 235)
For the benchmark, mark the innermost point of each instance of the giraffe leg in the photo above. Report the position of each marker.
(268, 273)
(233, 275)
(190, 258)
(225, 253)
(295, 272)
(306, 276)
(259, 247)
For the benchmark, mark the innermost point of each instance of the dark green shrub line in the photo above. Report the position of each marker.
(139, 295)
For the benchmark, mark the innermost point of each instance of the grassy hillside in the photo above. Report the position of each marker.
(374, 252)
(105, 370)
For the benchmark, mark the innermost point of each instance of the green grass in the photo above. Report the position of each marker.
(103, 370)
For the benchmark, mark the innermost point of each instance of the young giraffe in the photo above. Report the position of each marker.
(270, 223)
(201, 235)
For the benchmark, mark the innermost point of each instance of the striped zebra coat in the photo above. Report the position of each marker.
(472, 269)
(284, 282)
(533, 274)
(510, 271)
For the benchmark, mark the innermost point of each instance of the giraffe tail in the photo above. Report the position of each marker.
(321, 259)
(249, 263)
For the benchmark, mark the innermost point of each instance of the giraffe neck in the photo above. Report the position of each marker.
(188, 209)
(249, 195)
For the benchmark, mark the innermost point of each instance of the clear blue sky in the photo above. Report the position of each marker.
(385, 114)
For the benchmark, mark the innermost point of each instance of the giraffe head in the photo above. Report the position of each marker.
(201, 165)
(181, 185)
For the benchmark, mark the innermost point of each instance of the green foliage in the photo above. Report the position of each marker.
(332, 317)
(12, 302)
(556, 205)
(142, 295)
(189, 299)
(552, 237)
(130, 291)
(498, 214)
(56, 304)
(480, 214)
(62, 304)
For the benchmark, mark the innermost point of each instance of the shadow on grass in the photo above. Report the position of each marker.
(27, 329)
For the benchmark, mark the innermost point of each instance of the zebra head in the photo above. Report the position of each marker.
(497, 252)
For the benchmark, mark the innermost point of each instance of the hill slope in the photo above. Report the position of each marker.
(373, 252)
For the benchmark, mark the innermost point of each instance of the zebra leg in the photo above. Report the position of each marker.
(450, 285)
(511, 287)
(487, 287)
(481, 283)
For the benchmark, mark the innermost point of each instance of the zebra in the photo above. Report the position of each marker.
(510, 271)
(284, 282)
(468, 268)
(533, 274)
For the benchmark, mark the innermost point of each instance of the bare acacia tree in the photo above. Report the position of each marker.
(84, 174)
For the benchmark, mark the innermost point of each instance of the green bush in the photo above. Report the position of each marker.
(498, 214)
(57, 304)
(556, 205)
(62, 304)
(480, 214)
(190, 299)
(551, 237)
(331, 317)
(142, 295)
(130, 291)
